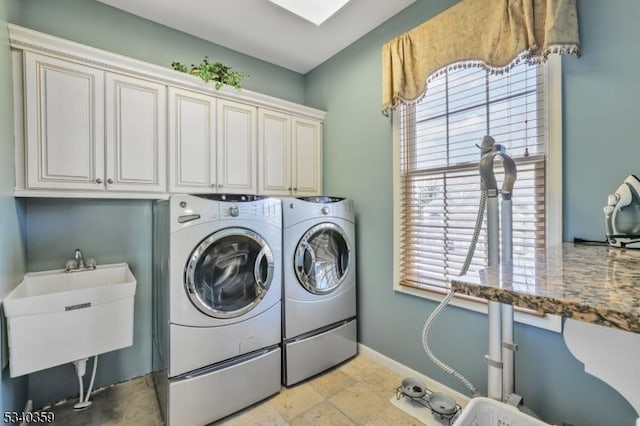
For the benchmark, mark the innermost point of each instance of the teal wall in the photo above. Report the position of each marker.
(600, 149)
(601, 113)
(13, 392)
(109, 230)
(357, 143)
(96, 24)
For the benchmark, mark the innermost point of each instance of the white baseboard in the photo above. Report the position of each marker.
(28, 407)
(404, 371)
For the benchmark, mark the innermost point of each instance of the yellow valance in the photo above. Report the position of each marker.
(492, 33)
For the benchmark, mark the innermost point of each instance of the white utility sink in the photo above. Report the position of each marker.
(56, 317)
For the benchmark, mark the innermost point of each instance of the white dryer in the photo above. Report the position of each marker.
(217, 304)
(319, 300)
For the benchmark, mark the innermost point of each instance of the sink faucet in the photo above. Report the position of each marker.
(78, 258)
(78, 263)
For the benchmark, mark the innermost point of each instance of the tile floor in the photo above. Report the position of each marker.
(357, 392)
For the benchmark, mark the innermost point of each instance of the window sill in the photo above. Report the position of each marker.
(524, 316)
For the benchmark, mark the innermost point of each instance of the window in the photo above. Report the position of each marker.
(437, 188)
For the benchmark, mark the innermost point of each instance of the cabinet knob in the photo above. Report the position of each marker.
(219, 185)
(213, 185)
(109, 181)
(98, 180)
(295, 189)
(289, 189)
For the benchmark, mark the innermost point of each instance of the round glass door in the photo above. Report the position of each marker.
(322, 258)
(229, 273)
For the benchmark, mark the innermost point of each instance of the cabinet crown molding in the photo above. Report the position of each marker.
(26, 39)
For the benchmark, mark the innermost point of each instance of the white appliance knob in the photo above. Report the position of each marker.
(613, 199)
(233, 211)
(326, 210)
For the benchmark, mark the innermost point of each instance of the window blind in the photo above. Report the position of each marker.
(440, 182)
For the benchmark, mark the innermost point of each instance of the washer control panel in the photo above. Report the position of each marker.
(189, 210)
(266, 209)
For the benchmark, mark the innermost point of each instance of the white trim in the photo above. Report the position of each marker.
(395, 120)
(404, 371)
(547, 322)
(18, 120)
(29, 40)
(553, 79)
(553, 180)
(57, 193)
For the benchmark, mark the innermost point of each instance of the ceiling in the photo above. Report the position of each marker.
(261, 29)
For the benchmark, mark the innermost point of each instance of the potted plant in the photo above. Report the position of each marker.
(217, 72)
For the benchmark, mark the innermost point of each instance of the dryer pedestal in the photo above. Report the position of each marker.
(315, 352)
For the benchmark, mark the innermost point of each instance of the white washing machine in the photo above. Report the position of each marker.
(319, 300)
(217, 304)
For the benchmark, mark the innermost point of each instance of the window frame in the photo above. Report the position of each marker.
(553, 204)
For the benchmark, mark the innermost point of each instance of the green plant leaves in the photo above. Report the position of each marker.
(217, 72)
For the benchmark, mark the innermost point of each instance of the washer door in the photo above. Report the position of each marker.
(229, 273)
(322, 259)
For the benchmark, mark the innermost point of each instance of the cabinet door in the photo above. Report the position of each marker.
(64, 122)
(136, 139)
(307, 157)
(236, 146)
(274, 153)
(192, 144)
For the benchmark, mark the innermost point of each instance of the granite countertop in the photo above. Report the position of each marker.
(597, 284)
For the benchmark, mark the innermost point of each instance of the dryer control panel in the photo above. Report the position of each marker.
(343, 209)
(300, 209)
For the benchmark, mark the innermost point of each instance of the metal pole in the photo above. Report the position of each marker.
(494, 359)
(508, 347)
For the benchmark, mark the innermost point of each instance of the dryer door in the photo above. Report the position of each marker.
(229, 273)
(322, 258)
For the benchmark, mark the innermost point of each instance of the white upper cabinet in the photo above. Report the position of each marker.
(236, 147)
(64, 124)
(87, 130)
(306, 156)
(91, 123)
(289, 155)
(135, 134)
(274, 153)
(192, 141)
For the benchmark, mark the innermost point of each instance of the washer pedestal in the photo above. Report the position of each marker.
(218, 391)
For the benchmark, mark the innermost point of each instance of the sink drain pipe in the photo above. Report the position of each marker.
(81, 369)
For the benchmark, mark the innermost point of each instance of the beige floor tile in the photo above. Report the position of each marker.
(261, 414)
(323, 414)
(143, 410)
(294, 401)
(360, 366)
(332, 382)
(359, 403)
(392, 416)
(355, 393)
(383, 382)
